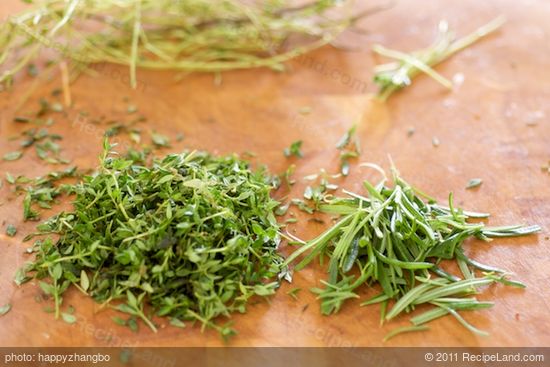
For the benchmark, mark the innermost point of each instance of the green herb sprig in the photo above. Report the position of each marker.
(191, 236)
(394, 76)
(395, 239)
(191, 35)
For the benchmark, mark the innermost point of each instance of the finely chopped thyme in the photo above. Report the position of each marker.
(192, 235)
(395, 239)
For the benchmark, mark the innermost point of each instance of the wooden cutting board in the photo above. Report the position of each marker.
(493, 126)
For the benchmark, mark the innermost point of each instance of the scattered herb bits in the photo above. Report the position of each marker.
(295, 150)
(119, 321)
(192, 236)
(473, 183)
(350, 148)
(21, 119)
(160, 140)
(395, 239)
(43, 191)
(293, 293)
(68, 318)
(12, 156)
(177, 323)
(11, 230)
(5, 309)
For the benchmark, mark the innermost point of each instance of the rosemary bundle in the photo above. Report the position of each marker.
(192, 235)
(396, 75)
(190, 35)
(397, 240)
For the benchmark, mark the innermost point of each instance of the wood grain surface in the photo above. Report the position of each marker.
(494, 126)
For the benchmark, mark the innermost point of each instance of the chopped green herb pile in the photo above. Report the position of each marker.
(192, 236)
(397, 240)
(396, 75)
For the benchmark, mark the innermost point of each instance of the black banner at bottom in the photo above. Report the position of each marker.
(274, 356)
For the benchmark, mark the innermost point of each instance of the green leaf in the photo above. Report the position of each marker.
(132, 301)
(118, 320)
(84, 281)
(68, 318)
(294, 149)
(474, 182)
(12, 156)
(21, 276)
(10, 178)
(11, 231)
(123, 307)
(160, 140)
(57, 271)
(165, 179)
(346, 138)
(132, 324)
(177, 322)
(5, 309)
(47, 288)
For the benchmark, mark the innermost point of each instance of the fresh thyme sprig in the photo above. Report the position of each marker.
(393, 238)
(191, 236)
(399, 74)
(190, 35)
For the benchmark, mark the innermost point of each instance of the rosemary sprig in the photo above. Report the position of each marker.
(397, 240)
(399, 74)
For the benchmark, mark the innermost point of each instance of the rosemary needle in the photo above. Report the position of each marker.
(405, 329)
(294, 293)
